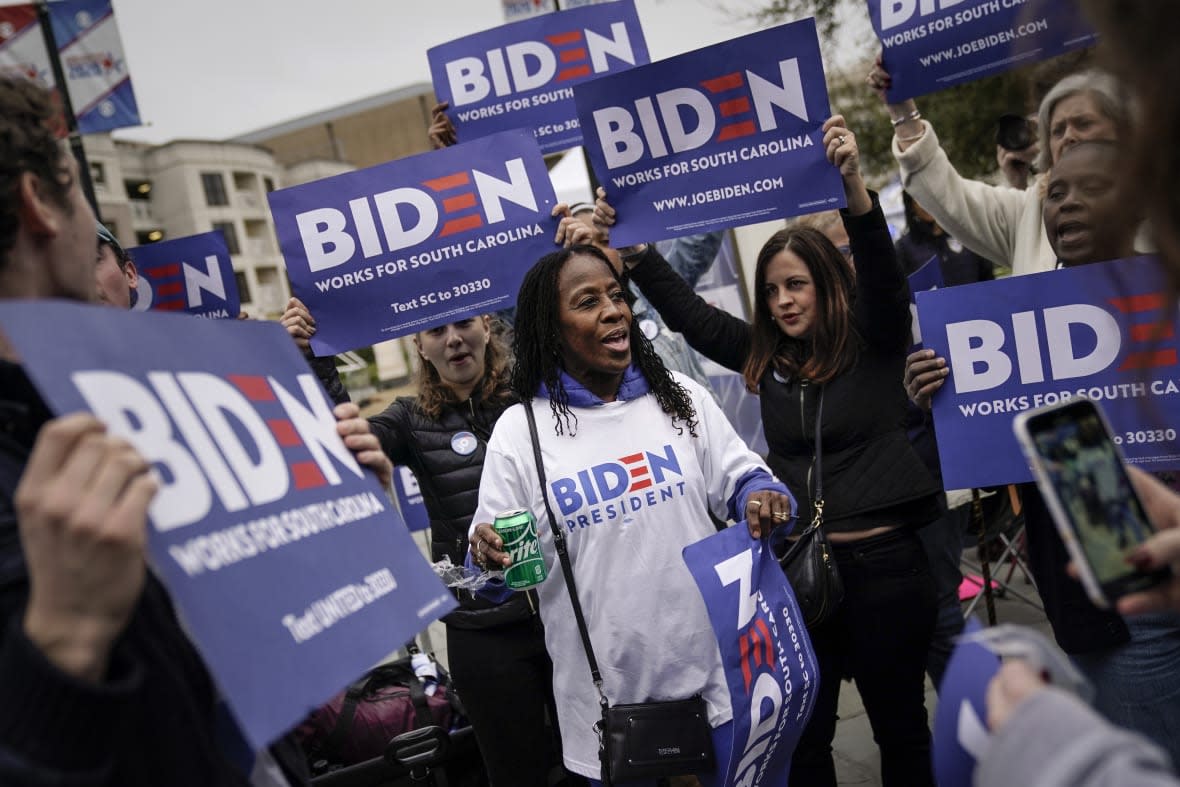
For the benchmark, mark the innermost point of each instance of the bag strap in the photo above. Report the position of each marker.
(567, 570)
(817, 504)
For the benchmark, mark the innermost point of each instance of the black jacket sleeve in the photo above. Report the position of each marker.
(882, 293)
(713, 332)
(325, 372)
(392, 427)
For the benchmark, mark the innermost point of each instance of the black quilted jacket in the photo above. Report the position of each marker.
(871, 474)
(449, 481)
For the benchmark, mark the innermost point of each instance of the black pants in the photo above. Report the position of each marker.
(879, 637)
(504, 677)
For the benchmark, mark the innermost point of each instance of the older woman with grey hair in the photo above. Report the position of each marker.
(1000, 223)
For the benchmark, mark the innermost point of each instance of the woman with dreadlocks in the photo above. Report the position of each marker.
(829, 342)
(634, 456)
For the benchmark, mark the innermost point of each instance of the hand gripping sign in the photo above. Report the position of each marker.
(193, 274)
(1101, 331)
(289, 566)
(715, 138)
(521, 75)
(769, 663)
(422, 241)
(930, 45)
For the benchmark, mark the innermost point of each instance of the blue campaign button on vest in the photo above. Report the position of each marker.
(464, 443)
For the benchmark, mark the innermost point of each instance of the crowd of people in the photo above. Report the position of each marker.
(100, 685)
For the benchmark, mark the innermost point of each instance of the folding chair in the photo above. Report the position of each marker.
(998, 518)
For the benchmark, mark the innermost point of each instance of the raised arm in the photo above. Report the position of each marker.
(300, 327)
(984, 218)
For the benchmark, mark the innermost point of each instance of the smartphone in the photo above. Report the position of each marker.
(1081, 474)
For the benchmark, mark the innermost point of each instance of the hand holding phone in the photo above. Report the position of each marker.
(1082, 477)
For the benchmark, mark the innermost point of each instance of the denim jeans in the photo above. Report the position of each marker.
(943, 541)
(1138, 684)
(722, 742)
(879, 637)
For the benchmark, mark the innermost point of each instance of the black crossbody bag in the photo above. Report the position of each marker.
(808, 563)
(644, 740)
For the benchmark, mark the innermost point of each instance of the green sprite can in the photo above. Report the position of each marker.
(518, 531)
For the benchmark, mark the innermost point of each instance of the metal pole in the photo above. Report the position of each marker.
(984, 563)
(59, 77)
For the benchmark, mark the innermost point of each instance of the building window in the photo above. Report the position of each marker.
(214, 186)
(268, 184)
(230, 232)
(243, 286)
(144, 237)
(98, 173)
(138, 190)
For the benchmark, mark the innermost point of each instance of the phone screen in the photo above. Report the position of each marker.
(1085, 469)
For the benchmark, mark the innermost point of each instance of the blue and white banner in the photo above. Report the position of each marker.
(521, 75)
(256, 488)
(453, 238)
(928, 277)
(91, 55)
(716, 138)
(769, 662)
(193, 274)
(960, 720)
(929, 46)
(1104, 332)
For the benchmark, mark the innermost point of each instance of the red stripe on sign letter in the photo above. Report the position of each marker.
(761, 625)
(170, 288)
(1148, 360)
(736, 106)
(1139, 303)
(572, 55)
(561, 39)
(307, 475)
(284, 432)
(573, 73)
(459, 225)
(461, 202)
(1152, 330)
(735, 130)
(166, 271)
(448, 182)
(723, 83)
(255, 388)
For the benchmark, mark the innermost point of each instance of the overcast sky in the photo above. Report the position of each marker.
(212, 69)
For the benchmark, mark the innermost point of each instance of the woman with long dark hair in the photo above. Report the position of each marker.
(635, 458)
(829, 341)
(496, 652)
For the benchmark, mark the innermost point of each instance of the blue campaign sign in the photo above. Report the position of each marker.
(929, 46)
(928, 277)
(409, 499)
(193, 274)
(716, 138)
(521, 75)
(1102, 331)
(960, 721)
(453, 238)
(769, 663)
(256, 488)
